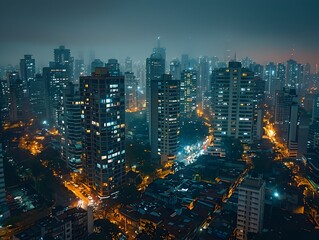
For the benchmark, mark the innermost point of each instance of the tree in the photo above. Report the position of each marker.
(233, 148)
(263, 162)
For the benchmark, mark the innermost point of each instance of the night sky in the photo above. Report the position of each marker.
(262, 30)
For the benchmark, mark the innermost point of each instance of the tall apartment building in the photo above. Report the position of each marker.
(286, 118)
(165, 119)
(294, 75)
(4, 211)
(37, 97)
(18, 99)
(233, 105)
(63, 59)
(27, 71)
(175, 69)
(130, 91)
(155, 68)
(250, 212)
(103, 124)
(188, 93)
(70, 128)
(55, 78)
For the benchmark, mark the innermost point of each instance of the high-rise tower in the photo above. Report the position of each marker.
(232, 104)
(165, 119)
(188, 93)
(27, 71)
(103, 123)
(155, 68)
(70, 128)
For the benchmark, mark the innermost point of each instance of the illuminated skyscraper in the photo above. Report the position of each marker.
(294, 75)
(4, 100)
(286, 118)
(103, 122)
(18, 98)
(70, 128)
(203, 82)
(55, 78)
(4, 211)
(233, 99)
(155, 68)
(63, 59)
(270, 79)
(27, 71)
(188, 93)
(79, 70)
(130, 91)
(37, 97)
(165, 119)
(113, 67)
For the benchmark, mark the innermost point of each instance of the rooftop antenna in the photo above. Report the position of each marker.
(158, 42)
(235, 57)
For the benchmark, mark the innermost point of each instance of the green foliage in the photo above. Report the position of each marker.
(128, 194)
(263, 162)
(105, 230)
(193, 131)
(233, 148)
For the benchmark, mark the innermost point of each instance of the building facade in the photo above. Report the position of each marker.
(188, 92)
(103, 124)
(165, 119)
(233, 105)
(250, 212)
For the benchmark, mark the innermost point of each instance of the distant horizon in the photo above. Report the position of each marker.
(85, 55)
(264, 31)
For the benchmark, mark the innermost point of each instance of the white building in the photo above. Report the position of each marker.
(233, 95)
(165, 118)
(250, 212)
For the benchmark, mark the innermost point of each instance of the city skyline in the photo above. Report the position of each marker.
(269, 31)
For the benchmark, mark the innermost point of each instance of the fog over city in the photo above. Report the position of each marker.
(262, 30)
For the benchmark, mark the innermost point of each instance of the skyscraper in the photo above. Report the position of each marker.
(4, 211)
(188, 93)
(19, 102)
(165, 119)
(113, 67)
(175, 69)
(232, 104)
(281, 75)
(202, 80)
(294, 75)
(128, 65)
(286, 118)
(79, 70)
(96, 63)
(70, 128)
(4, 101)
(270, 80)
(37, 97)
(184, 61)
(63, 59)
(27, 71)
(250, 212)
(130, 91)
(103, 122)
(56, 78)
(155, 68)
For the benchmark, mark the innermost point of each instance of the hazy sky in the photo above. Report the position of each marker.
(262, 30)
